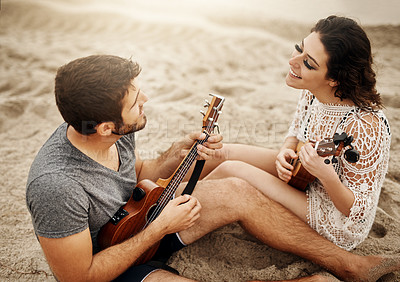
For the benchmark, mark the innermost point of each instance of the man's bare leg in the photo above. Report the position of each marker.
(233, 200)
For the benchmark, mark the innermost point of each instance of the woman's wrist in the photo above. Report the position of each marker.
(329, 178)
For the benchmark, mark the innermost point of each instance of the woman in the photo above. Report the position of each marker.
(332, 66)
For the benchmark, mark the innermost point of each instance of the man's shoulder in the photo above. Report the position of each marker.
(58, 205)
(54, 184)
(51, 158)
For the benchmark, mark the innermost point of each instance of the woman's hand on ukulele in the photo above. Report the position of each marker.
(208, 150)
(179, 214)
(314, 163)
(282, 164)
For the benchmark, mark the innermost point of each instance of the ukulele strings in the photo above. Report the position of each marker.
(167, 193)
(191, 156)
(177, 179)
(166, 197)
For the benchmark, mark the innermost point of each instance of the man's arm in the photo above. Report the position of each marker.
(71, 259)
(166, 163)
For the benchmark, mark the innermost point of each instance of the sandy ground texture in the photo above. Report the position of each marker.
(238, 49)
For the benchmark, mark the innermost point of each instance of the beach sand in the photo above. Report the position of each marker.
(187, 49)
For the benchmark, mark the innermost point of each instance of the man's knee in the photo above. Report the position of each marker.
(228, 191)
(221, 189)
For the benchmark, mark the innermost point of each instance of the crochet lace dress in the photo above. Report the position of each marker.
(372, 137)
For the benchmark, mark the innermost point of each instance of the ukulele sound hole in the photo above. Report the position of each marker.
(152, 213)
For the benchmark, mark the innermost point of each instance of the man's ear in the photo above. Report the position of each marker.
(105, 128)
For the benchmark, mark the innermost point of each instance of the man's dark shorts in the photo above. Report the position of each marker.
(168, 245)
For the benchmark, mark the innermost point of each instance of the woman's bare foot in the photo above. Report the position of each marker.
(371, 268)
(388, 264)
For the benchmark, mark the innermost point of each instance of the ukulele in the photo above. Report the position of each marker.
(327, 147)
(148, 199)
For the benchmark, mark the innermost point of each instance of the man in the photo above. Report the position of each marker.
(86, 171)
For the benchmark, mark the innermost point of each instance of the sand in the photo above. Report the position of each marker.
(188, 49)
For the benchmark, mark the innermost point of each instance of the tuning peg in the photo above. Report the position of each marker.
(206, 104)
(348, 141)
(352, 155)
(203, 113)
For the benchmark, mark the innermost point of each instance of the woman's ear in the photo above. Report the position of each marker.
(105, 128)
(333, 83)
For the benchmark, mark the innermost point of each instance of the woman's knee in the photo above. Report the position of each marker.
(228, 168)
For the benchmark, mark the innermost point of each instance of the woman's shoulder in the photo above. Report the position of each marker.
(369, 119)
(370, 116)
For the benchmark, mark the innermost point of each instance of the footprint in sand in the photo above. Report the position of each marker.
(12, 109)
(378, 230)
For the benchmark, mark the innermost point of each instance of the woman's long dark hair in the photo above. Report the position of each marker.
(350, 60)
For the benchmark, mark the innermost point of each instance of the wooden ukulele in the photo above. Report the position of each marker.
(327, 147)
(148, 199)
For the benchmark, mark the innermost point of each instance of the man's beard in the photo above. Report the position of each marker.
(124, 129)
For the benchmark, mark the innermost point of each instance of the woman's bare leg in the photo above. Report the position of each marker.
(260, 157)
(269, 185)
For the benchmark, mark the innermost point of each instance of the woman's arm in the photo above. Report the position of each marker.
(359, 183)
(341, 196)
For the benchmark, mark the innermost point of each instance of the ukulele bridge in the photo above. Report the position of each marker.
(120, 214)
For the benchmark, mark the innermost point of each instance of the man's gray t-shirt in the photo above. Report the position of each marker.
(68, 192)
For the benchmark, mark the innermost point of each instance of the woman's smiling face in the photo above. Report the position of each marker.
(308, 66)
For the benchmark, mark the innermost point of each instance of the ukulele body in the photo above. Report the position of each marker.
(134, 221)
(300, 176)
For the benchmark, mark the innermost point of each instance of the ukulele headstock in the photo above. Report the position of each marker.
(326, 148)
(333, 147)
(214, 110)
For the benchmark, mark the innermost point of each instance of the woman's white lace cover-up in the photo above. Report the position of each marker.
(372, 137)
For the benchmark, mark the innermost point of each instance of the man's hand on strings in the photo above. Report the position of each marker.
(211, 149)
(179, 214)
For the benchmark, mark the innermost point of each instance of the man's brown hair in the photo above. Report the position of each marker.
(90, 90)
